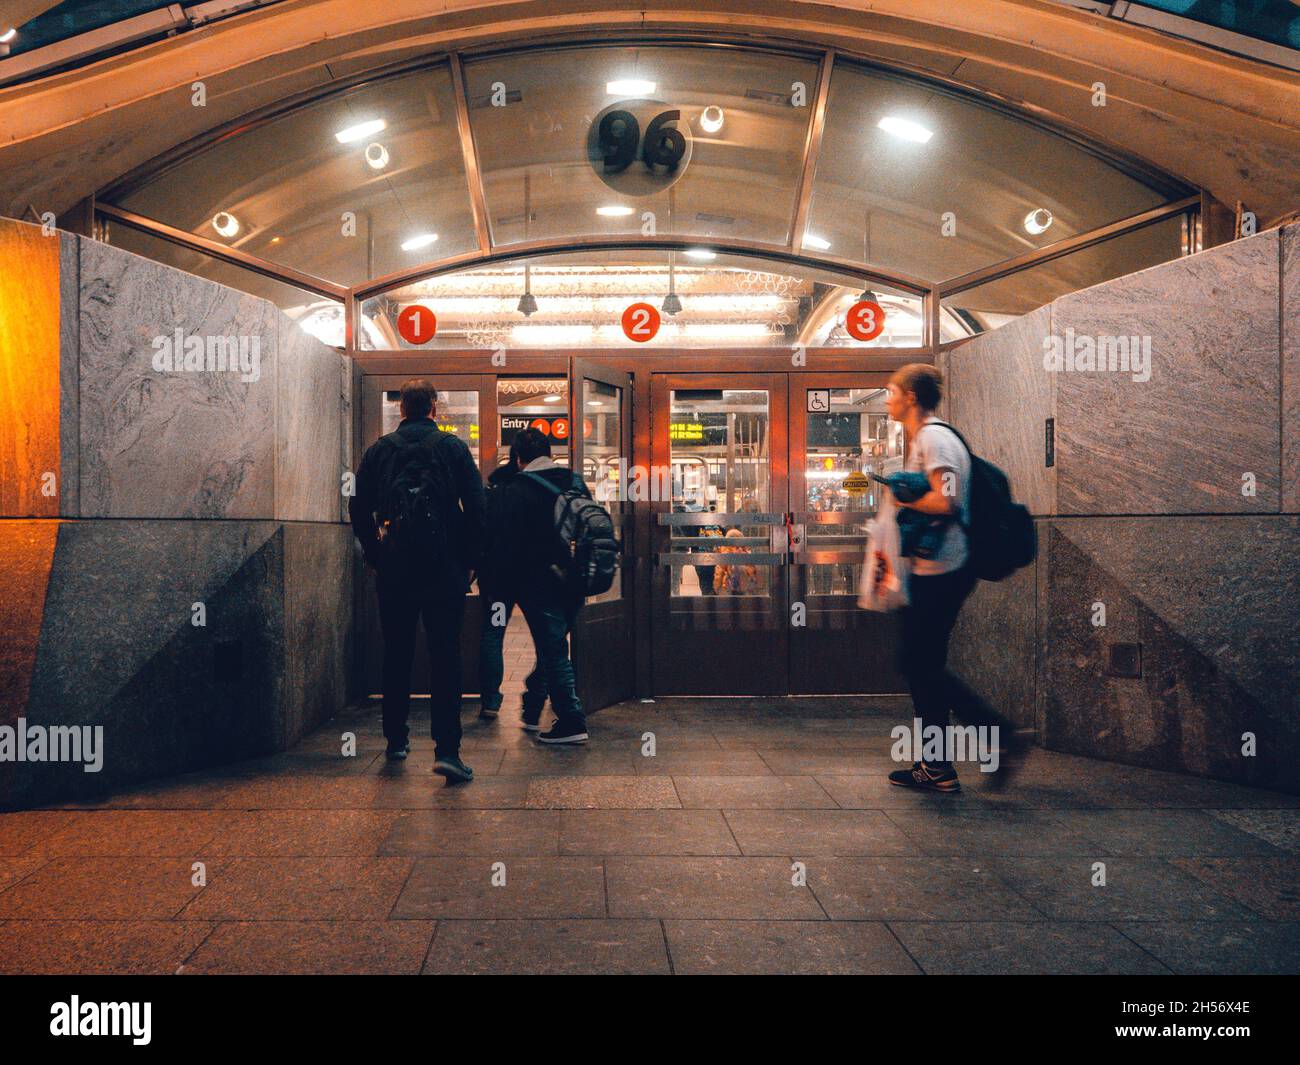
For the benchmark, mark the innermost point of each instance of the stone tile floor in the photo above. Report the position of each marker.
(615, 862)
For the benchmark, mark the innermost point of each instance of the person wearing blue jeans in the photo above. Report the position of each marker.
(523, 566)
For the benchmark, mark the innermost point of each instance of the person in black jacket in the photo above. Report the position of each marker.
(433, 587)
(498, 605)
(527, 562)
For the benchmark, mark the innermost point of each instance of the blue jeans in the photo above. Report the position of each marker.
(550, 621)
(492, 640)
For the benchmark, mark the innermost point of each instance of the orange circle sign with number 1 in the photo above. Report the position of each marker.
(417, 324)
(640, 322)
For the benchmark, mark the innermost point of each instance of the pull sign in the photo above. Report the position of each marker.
(1049, 442)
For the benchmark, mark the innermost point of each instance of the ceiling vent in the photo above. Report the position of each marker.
(781, 99)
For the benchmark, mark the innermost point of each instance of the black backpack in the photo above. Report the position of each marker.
(415, 534)
(586, 533)
(999, 532)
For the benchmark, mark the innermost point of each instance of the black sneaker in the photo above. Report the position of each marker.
(926, 778)
(562, 732)
(489, 713)
(530, 722)
(453, 769)
(398, 751)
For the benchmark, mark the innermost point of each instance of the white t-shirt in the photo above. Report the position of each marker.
(936, 447)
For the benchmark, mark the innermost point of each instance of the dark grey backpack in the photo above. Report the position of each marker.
(586, 531)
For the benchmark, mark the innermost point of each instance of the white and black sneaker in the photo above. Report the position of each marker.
(564, 732)
(530, 722)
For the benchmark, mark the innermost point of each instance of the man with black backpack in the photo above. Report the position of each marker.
(418, 514)
(963, 528)
(552, 545)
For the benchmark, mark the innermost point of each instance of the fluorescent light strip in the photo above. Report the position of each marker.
(360, 131)
(905, 129)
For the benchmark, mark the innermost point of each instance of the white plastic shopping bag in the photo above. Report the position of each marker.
(884, 571)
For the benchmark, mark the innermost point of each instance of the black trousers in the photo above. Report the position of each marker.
(927, 627)
(927, 623)
(443, 609)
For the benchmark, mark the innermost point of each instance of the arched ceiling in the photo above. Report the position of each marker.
(1228, 124)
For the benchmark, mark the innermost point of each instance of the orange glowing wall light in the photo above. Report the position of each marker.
(29, 371)
(29, 449)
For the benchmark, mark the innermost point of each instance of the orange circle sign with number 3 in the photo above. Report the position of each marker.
(865, 320)
(640, 322)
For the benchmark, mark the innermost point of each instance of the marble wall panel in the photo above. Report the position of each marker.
(119, 648)
(158, 443)
(1290, 238)
(26, 559)
(311, 423)
(1181, 441)
(69, 374)
(318, 637)
(994, 646)
(345, 433)
(1212, 601)
(1001, 399)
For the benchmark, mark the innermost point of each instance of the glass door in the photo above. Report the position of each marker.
(719, 611)
(604, 649)
(840, 434)
(466, 405)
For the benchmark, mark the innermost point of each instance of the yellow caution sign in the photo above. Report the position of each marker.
(857, 482)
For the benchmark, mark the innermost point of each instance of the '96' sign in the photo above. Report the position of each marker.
(639, 147)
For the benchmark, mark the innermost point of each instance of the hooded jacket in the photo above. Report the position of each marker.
(522, 542)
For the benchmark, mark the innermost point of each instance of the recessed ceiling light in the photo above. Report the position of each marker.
(615, 210)
(8, 35)
(376, 155)
(702, 254)
(630, 87)
(905, 128)
(422, 241)
(225, 223)
(360, 131)
(1037, 220)
(810, 241)
(275, 240)
(552, 399)
(711, 119)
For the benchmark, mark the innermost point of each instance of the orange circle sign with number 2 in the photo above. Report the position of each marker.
(640, 322)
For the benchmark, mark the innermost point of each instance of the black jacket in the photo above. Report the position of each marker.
(490, 565)
(522, 544)
(467, 508)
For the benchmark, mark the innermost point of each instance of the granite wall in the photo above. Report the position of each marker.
(177, 586)
(1158, 626)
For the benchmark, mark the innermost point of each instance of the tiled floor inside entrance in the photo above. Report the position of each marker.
(761, 836)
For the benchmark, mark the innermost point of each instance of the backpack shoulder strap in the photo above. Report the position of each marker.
(539, 479)
(577, 484)
(952, 429)
(963, 517)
